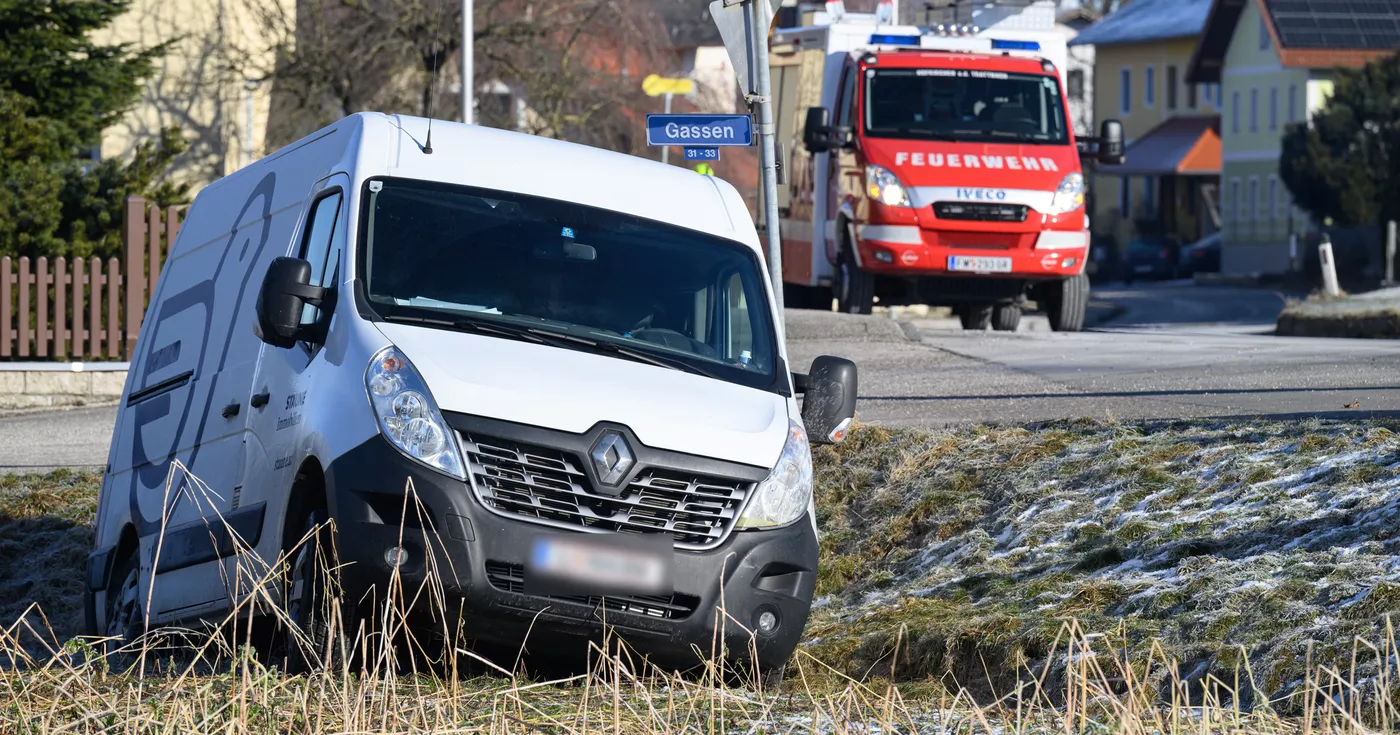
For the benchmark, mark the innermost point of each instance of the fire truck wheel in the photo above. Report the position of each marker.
(855, 288)
(975, 317)
(1006, 317)
(1067, 303)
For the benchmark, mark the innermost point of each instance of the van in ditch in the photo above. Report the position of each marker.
(571, 355)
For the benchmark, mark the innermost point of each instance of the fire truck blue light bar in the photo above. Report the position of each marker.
(887, 39)
(1016, 45)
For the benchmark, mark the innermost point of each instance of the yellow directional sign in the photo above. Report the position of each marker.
(656, 85)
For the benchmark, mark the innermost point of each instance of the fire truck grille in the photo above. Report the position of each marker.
(981, 212)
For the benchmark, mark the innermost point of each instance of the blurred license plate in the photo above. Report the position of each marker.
(979, 264)
(1143, 269)
(605, 564)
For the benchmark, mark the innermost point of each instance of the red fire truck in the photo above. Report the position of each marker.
(932, 166)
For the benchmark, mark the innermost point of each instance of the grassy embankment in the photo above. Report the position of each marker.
(1075, 576)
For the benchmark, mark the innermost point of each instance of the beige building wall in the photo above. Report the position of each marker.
(208, 83)
(1113, 213)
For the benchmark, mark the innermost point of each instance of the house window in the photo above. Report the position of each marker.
(1149, 87)
(1293, 103)
(1125, 91)
(1219, 97)
(1254, 110)
(1125, 197)
(1273, 108)
(1265, 41)
(1205, 92)
(1191, 96)
(1233, 206)
(1235, 112)
(1274, 205)
(1075, 80)
(1253, 202)
(1171, 88)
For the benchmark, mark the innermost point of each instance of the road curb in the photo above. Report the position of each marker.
(1373, 325)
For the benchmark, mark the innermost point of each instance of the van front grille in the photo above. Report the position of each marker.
(981, 212)
(549, 487)
(511, 578)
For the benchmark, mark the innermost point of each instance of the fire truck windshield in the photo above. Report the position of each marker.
(964, 105)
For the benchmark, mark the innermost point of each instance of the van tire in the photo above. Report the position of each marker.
(855, 288)
(975, 317)
(1067, 302)
(123, 622)
(312, 636)
(1006, 317)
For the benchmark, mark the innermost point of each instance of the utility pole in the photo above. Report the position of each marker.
(743, 24)
(468, 72)
(768, 168)
(666, 149)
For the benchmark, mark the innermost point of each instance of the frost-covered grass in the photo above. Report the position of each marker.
(1271, 542)
(1070, 577)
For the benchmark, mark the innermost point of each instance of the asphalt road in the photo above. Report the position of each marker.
(1173, 351)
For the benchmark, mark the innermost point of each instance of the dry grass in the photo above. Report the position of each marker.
(1106, 677)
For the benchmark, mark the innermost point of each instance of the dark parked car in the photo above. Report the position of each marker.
(1202, 256)
(1151, 258)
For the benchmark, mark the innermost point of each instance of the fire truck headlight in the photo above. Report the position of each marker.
(1070, 195)
(884, 187)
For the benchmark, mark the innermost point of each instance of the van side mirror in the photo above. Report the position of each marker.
(1111, 147)
(286, 288)
(816, 135)
(829, 399)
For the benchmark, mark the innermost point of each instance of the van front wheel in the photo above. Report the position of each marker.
(314, 632)
(122, 619)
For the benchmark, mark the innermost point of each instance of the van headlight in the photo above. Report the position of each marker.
(408, 418)
(784, 495)
(884, 187)
(1070, 194)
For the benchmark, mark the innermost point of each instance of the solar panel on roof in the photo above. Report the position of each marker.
(1345, 24)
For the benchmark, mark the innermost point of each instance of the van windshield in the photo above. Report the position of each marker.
(519, 266)
(964, 105)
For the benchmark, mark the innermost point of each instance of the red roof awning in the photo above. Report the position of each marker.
(1181, 146)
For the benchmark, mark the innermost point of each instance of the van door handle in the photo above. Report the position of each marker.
(231, 410)
(260, 399)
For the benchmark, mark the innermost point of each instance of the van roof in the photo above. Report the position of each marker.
(529, 164)
(379, 144)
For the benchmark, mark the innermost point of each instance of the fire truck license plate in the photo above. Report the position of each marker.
(979, 264)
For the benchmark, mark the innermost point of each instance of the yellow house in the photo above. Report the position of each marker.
(1274, 62)
(1168, 184)
(214, 83)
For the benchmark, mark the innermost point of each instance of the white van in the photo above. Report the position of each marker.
(573, 354)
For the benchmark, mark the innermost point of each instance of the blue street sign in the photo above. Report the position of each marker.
(702, 154)
(699, 130)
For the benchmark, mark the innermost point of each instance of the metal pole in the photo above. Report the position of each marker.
(1329, 267)
(468, 72)
(666, 149)
(1390, 253)
(768, 171)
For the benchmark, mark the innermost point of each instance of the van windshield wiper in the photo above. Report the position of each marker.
(553, 339)
(627, 353)
(472, 325)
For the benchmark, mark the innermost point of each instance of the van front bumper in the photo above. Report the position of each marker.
(478, 556)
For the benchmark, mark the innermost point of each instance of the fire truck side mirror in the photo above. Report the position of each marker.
(816, 135)
(1111, 151)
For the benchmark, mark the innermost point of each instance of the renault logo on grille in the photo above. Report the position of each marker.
(612, 458)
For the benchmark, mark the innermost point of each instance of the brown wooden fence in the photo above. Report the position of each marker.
(85, 309)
